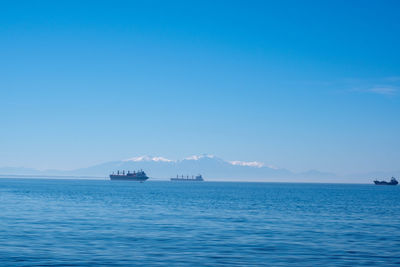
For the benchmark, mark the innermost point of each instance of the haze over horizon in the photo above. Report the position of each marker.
(297, 86)
(212, 168)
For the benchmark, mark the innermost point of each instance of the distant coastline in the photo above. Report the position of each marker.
(98, 178)
(214, 168)
(52, 176)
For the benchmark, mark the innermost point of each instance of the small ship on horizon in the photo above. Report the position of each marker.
(139, 176)
(393, 181)
(198, 178)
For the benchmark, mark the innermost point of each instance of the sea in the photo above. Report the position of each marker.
(54, 222)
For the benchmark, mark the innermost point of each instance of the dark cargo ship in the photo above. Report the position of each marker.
(393, 181)
(198, 178)
(139, 176)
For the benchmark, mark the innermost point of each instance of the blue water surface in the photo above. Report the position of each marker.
(103, 223)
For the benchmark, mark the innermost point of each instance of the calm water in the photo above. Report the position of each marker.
(77, 222)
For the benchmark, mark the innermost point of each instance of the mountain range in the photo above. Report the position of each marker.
(211, 167)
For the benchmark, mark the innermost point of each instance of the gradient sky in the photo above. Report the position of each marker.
(296, 84)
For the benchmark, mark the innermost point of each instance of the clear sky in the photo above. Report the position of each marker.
(297, 84)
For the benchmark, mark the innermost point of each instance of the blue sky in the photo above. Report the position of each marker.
(299, 85)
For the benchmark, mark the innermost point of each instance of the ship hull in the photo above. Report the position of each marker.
(128, 178)
(384, 183)
(186, 180)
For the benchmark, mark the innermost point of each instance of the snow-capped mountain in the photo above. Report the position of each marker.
(211, 167)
